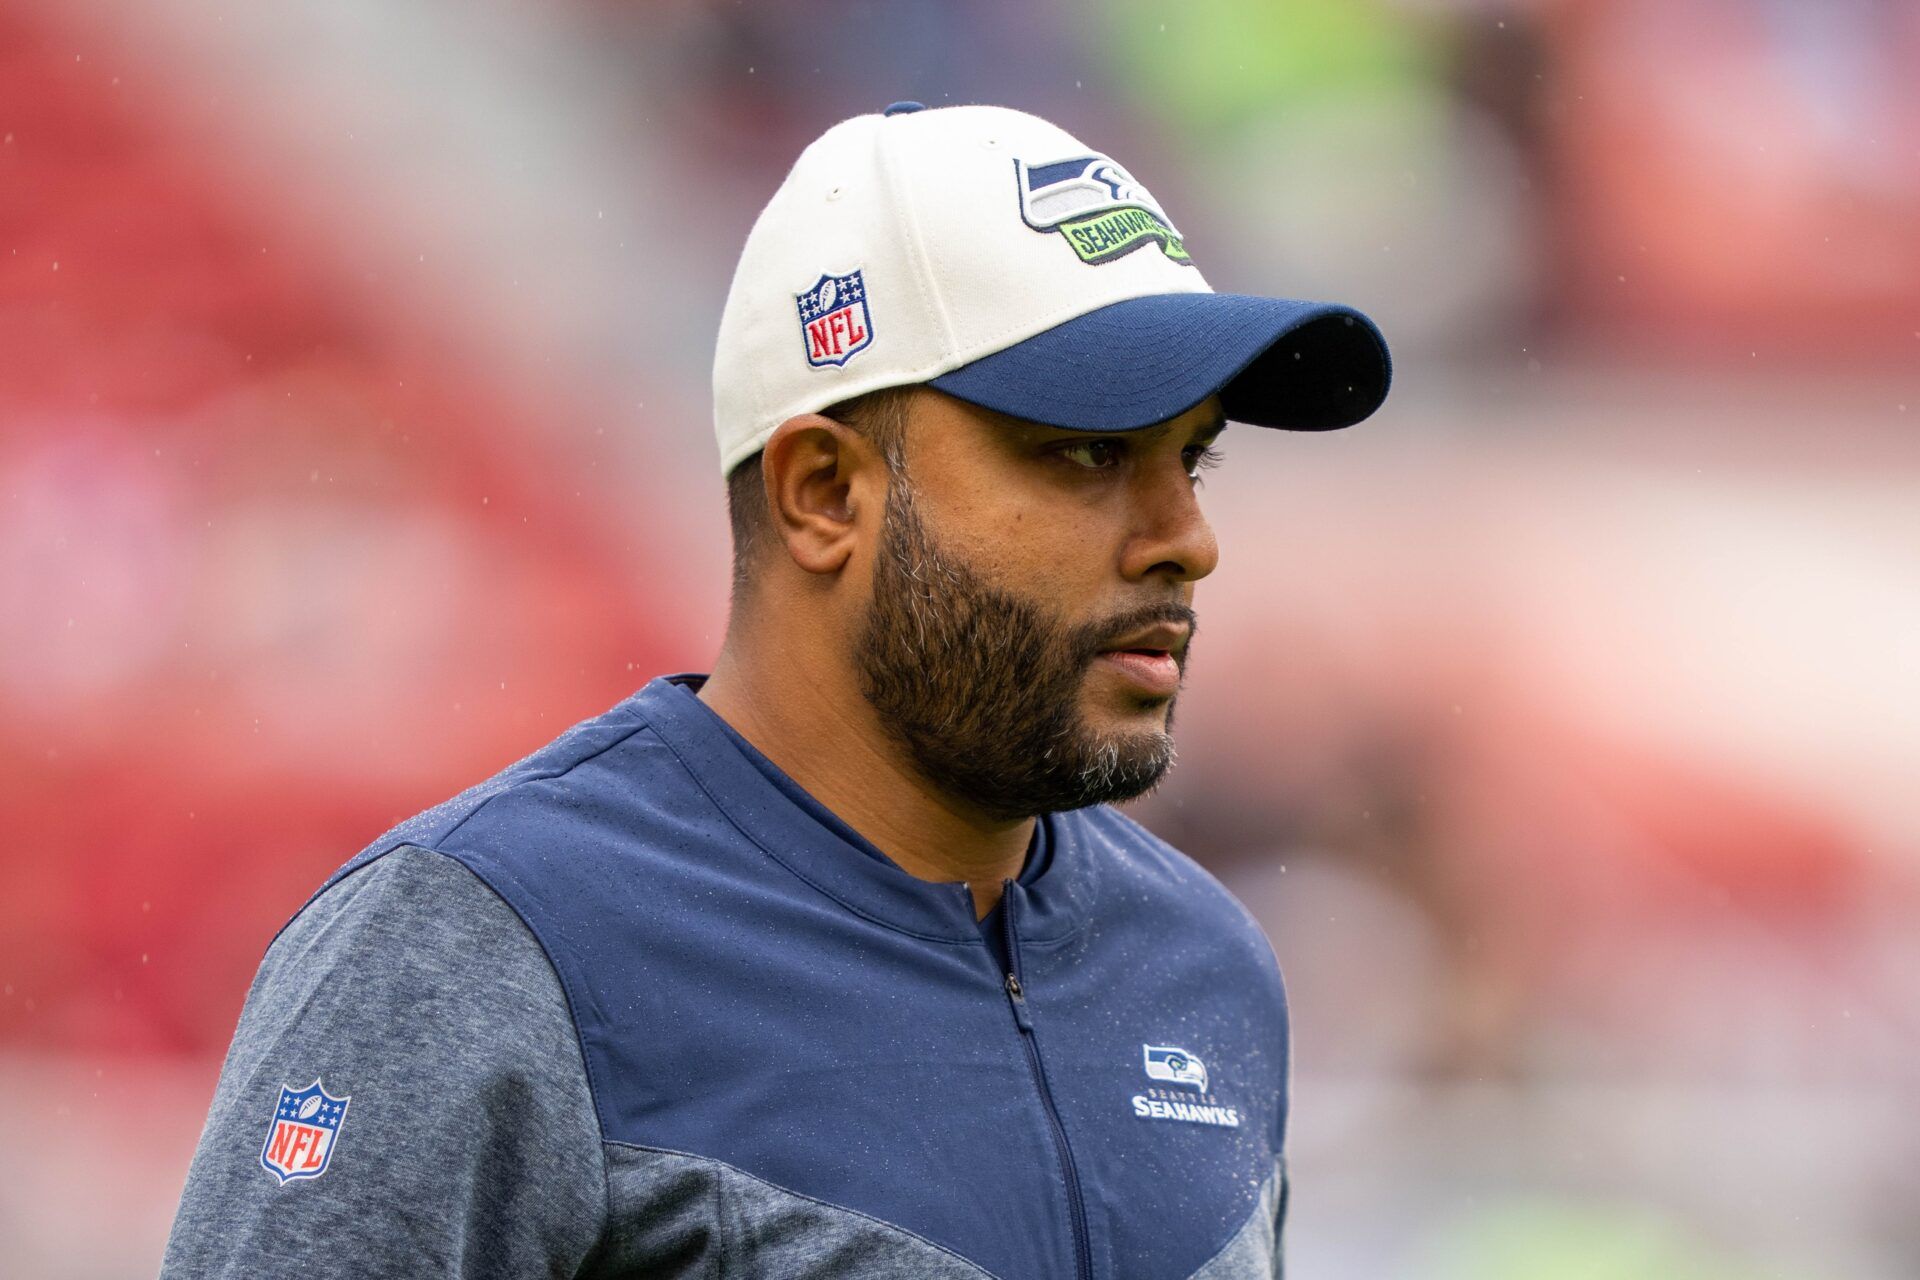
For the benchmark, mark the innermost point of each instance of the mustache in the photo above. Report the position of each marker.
(1088, 639)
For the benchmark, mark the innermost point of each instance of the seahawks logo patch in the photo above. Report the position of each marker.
(1097, 206)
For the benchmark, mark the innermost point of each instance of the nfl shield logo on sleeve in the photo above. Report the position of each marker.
(305, 1128)
(834, 324)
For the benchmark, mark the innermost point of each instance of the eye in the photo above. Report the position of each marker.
(1201, 457)
(1095, 455)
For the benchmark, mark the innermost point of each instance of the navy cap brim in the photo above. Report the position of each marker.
(1304, 366)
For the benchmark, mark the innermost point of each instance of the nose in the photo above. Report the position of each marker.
(1171, 537)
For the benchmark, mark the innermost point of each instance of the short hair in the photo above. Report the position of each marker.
(880, 416)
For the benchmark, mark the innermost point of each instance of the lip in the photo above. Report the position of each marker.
(1156, 672)
(1149, 658)
(1163, 637)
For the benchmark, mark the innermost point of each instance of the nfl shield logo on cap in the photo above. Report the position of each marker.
(302, 1135)
(834, 323)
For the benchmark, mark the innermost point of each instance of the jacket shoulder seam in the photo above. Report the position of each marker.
(374, 852)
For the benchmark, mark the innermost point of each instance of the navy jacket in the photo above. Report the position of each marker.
(639, 1006)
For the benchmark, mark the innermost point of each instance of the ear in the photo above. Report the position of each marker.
(821, 477)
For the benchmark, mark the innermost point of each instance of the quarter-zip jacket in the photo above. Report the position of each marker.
(637, 1006)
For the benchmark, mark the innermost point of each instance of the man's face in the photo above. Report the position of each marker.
(1031, 603)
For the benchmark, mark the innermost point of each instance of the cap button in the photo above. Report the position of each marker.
(902, 108)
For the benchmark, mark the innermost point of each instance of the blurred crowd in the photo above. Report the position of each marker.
(1557, 723)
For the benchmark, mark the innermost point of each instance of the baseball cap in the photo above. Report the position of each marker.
(993, 256)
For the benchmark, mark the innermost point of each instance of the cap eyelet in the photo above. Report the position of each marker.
(833, 193)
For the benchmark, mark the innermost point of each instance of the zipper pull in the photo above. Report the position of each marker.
(1017, 995)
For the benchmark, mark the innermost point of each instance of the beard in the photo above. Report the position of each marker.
(982, 687)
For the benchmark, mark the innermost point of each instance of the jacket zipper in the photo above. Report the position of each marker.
(1016, 994)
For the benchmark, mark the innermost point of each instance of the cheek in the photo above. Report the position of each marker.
(1029, 539)
(1062, 558)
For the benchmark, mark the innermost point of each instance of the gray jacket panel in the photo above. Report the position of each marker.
(470, 1145)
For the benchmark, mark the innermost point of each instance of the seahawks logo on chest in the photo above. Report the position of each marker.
(1189, 1100)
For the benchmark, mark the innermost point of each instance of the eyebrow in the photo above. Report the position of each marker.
(1210, 429)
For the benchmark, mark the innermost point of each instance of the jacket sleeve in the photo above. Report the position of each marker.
(466, 1140)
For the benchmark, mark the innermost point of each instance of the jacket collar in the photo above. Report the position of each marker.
(1053, 906)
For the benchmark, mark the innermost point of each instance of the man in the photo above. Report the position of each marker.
(835, 963)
